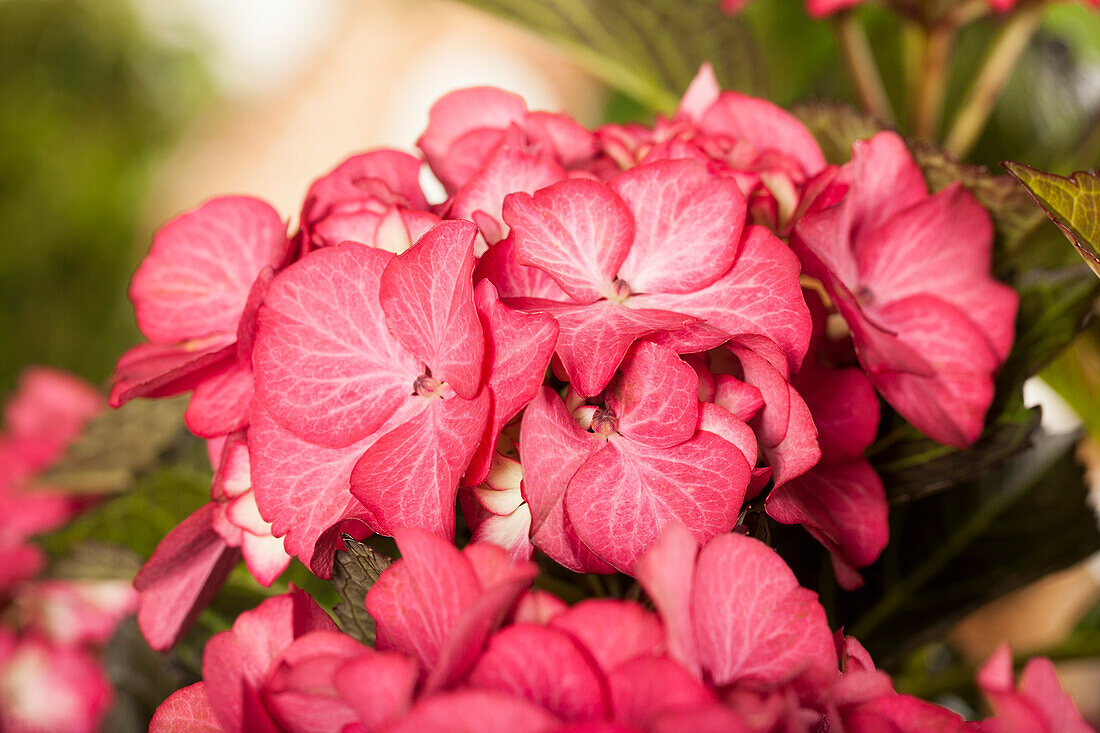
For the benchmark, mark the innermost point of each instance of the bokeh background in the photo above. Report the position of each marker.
(118, 114)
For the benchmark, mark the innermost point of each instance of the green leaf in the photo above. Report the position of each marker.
(956, 550)
(649, 49)
(118, 446)
(836, 126)
(1072, 203)
(141, 678)
(353, 574)
(96, 560)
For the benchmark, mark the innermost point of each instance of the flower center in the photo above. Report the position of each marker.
(620, 291)
(604, 422)
(426, 386)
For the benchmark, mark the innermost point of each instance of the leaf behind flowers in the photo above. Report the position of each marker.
(356, 569)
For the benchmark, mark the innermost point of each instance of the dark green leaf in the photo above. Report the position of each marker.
(952, 552)
(118, 446)
(649, 49)
(1072, 203)
(353, 574)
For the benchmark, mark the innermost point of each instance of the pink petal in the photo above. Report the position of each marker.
(52, 405)
(159, 370)
(428, 300)
(302, 488)
(196, 278)
(743, 400)
(756, 624)
(612, 631)
(552, 448)
(593, 339)
(379, 686)
(389, 176)
(325, 364)
(655, 397)
(884, 180)
(538, 607)
(700, 94)
(842, 504)
(904, 713)
(508, 531)
(546, 666)
(943, 246)
(221, 402)
(509, 170)
(475, 711)
(1039, 683)
(624, 495)
(301, 692)
(763, 125)
(417, 602)
(457, 114)
(569, 142)
(844, 408)
(577, 231)
(185, 572)
(709, 719)
(186, 711)
(518, 347)
(265, 557)
(513, 280)
(729, 427)
(647, 686)
(949, 406)
(409, 477)
(666, 571)
(759, 295)
(687, 226)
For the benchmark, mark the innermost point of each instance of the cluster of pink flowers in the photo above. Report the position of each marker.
(736, 646)
(822, 8)
(598, 334)
(50, 675)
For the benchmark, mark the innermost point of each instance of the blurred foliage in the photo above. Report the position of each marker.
(89, 105)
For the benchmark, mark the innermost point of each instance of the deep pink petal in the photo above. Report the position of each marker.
(428, 299)
(577, 231)
(687, 226)
(765, 126)
(624, 495)
(1039, 683)
(326, 366)
(385, 176)
(518, 347)
(727, 426)
(475, 711)
(302, 488)
(756, 624)
(409, 477)
(741, 399)
(612, 631)
(593, 339)
(552, 448)
(667, 570)
(799, 450)
(186, 711)
(417, 602)
(159, 370)
(709, 719)
(844, 407)
(513, 280)
(379, 686)
(196, 278)
(221, 403)
(185, 572)
(842, 504)
(509, 170)
(645, 687)
(759, 295)
(301, 692)
(904, 713)
(457, 114)
(546, 666)
(538, 607)
(655, 396)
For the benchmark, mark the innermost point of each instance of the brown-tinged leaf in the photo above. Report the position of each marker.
(97, 560)
(353, 574)
(1072, 203)
(836, 126)
(117, 446)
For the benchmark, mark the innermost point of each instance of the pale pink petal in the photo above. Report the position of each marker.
(647, 686)
(1039, 683)
(513, 280)
(687, 226)
(612, 631)
(756, 624)
(409, 476)
(428, 300)
(655, 396)
(185, 572)
(546, 666)
(264, 556)
(538, 607)
(621, 497)
(326, 366)
(196, 278)
(727, 426)
(759, 295)
(386, 176)
(577, 231)
(700, 94)
(50, 404)
(741, 399)
(186, 711)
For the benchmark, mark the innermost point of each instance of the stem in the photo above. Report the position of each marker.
(860, 61)
(928, 107)
(1004, 54)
